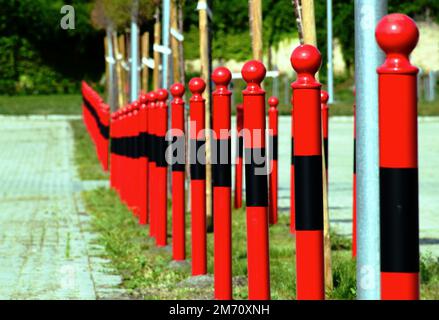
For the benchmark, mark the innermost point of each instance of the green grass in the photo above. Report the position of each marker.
(149, 274)
(85, 156)
(41, 104)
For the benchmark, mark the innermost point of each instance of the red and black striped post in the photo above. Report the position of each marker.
(397, 35)
(292, 185)
(113, 125)
(325, 127)
(273, 115)
(143, 174)
(161, 184)
(222, 184)
(135, 159)
(253, 72)
(198, 176)
(152, 199)
(306, 60)
(354, 189)
(178, 174)
(239, 162)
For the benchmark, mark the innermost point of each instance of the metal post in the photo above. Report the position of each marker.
(368, 57)
(329, 48)
(134, 52)
(166, 12)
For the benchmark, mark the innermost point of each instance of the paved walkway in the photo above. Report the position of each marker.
(46, 251)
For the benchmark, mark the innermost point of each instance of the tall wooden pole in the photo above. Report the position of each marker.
(107, 67)
(174, 43)
(145, 55)
(309, 37)
(204, 57)
(255, 12)
(157, 35)
(124, 73)
(118, 56)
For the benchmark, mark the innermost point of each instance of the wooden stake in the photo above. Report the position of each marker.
(123, 73)
(174, 43)
(204, 57)
(145, 55)
(309, 37)
(107, 67)
(255, 10)
(157, 36)
(118, 71)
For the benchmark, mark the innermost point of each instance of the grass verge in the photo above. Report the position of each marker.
(65, 104)
(148, 272)
(85, 156)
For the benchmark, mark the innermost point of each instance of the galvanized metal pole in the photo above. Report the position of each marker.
(330, 65)
(166, 13)
(134, 52)
(368, 57)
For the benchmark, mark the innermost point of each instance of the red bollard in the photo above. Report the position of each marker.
(306, 61)
(161, 182)
(292, 184)
(144, 163)
(239, 162)
(253, 72)
(152, 199)
(198, 176)
(354, 191)
(222, 184)
(273, 177)
(325, 128)
(178, 174)
(112, 150)
(397, 35)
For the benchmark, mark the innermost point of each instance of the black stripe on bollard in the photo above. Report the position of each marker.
(325, 146)
(178, 143)
(399, 220)
(256, 183)
(240, 147)
(198, 167)
(221, 166)
(273, 148)
(292, 151)
(103, 129)
(161, 146)
(308, 175)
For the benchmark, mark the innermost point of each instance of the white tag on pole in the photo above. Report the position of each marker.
(204, 6)
(177, 35)
(110, 60)
(162, 49)
(148, 62)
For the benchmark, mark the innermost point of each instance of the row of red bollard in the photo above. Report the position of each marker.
(140, 158)
(96, 118)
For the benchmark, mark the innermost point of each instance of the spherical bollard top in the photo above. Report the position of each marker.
(306, 59)
(253, 72)
(177, 90)
(162, 95)
(143, 98)
(135, 105)
(397, 33)
(151, 96)
(324, 97)
(221, 76)
(273, 102)
(197, 85)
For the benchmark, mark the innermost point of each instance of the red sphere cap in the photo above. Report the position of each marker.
(162, 95)
(197, 85)
(324, 97)
(273, 102)
(397, 33)
(177, 90)
(152, 96)
(306, 59)
(253, 72)
(143, 98)
(135, 105)
(221, 76)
